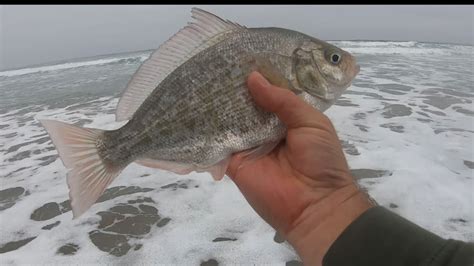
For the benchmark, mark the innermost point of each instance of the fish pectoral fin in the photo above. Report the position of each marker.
(270, 72)
(177, 168)
(217, 170)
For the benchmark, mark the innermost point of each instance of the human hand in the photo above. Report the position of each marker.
(303, 188)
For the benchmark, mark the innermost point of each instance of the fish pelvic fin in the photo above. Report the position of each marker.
(217, 170)
(88, 175)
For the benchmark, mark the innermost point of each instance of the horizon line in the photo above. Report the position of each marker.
(78, 59)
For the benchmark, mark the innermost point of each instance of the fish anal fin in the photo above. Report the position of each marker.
(217, 170)
(177, 168)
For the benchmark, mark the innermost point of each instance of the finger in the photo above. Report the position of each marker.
(289, 108)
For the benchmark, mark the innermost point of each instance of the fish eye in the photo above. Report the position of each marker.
(335, 58)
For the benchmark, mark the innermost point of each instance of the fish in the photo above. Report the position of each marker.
(187, 107)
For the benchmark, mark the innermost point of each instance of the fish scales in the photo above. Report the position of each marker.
(205, 108)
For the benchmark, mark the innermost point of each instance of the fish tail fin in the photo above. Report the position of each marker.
(88, 175)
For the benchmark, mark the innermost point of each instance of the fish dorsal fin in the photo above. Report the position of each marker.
(205, 31)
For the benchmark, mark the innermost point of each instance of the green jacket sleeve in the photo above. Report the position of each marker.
(380, 237)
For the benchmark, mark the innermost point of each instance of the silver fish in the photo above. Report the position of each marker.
(188, 108)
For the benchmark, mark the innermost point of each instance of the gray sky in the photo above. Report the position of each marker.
(39, 34)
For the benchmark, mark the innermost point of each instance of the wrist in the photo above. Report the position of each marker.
(321, 223)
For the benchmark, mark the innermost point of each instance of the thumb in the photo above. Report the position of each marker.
(290, 109)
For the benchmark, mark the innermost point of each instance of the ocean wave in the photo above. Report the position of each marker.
(104, 61)
(397, 50)
(377, 43)
(404, 47)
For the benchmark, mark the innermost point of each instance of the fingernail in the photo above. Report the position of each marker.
(263, 81)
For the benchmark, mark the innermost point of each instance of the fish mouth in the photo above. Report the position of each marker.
(354, 74)
(347, 85)
(354, 70)
(357, 70)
